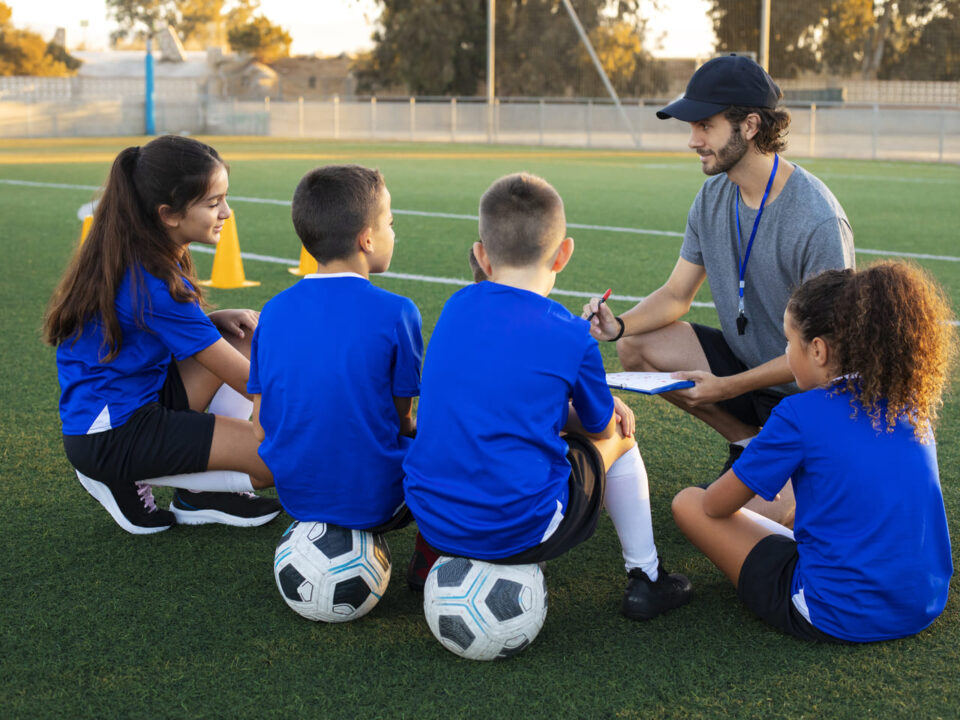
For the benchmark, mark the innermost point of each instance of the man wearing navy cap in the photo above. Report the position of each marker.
(758, 228)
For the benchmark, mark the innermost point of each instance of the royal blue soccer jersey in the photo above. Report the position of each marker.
(97, 396)
(329, 356)
(874, 549)
(488, 469)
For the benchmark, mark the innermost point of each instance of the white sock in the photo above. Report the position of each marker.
(742, 443)
(767, 523)
(627, 499)
(229, 403)
(209, 481)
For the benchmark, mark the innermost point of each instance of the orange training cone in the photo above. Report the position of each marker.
(85, 228)
(307, 264)
(227, 263)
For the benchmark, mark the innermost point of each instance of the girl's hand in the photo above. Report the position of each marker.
(625, 417)
(236, 322)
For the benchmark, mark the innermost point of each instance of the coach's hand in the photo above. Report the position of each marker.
(603, 326)
(708, 388)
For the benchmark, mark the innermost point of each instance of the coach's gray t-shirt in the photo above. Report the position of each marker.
(802, 232)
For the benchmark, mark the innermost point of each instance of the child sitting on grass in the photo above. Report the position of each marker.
(869, 556)
(490, 474)
(336, 362)
(139, 360)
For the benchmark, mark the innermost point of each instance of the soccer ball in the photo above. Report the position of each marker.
(330, 573)
(484, 611)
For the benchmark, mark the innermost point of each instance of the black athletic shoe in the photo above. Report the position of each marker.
(242, 509)
(130, 504)
(732, 454)
(644, 599)
(421, 561)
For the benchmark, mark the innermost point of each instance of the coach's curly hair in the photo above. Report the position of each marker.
(890, 332)
(772, 131)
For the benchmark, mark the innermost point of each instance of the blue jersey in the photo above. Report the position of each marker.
(488, 469)
(97, 396)
(874, 550)
(329, 355)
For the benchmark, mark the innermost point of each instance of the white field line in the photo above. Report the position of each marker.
(474, 218)
(426, 278)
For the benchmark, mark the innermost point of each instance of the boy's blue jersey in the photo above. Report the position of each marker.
(874, 549)
(97, 396)
(329, 355)
(488, 469)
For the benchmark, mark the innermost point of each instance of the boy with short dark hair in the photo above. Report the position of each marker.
(520, 443)
(335, 362)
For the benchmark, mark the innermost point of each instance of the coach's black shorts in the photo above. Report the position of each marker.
(751, 408)
(161, 438)
(584, 503)
(764, 587)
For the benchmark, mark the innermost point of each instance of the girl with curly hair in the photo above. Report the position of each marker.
(138, 359)
(869, 554)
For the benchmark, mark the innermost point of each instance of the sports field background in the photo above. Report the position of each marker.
(189, 623)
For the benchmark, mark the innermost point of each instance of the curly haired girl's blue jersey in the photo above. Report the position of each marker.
(329, 356)
(488, 468)
(96, 395)
(874, 549)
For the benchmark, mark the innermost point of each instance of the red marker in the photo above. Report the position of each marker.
(602, 301)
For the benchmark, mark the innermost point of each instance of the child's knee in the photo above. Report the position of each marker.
(686, 503)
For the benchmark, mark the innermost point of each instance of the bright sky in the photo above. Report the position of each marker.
(329, 27)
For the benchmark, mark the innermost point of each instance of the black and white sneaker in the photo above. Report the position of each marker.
(733, 453)
(644, 598)
(242, 509)
(130, 504)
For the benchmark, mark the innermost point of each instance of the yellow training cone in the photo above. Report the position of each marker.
(307, 264)
(85, 228)
(227, 263)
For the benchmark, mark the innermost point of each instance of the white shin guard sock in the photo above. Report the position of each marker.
(209, 481)
(627, 499)
(229, 403)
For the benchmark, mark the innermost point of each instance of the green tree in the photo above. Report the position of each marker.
(251, 32)
(438, 47)
(261, 38)
(26, 53)
(869, 38)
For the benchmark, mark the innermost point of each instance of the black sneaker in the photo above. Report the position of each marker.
(242, 509)
(130, 504)
(733, 453)
(644, 599)
(421, 561)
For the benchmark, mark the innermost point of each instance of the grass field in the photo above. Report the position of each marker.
(189, 623)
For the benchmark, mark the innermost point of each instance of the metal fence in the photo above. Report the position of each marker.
(834, 129)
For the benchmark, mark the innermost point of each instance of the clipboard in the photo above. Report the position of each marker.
(648, 383)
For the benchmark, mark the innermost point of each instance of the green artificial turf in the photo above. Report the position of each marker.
(189, 623)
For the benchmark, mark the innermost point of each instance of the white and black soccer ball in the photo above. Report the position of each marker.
(330, 573)
(484, 611)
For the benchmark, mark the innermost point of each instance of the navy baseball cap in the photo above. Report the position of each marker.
(720, 83)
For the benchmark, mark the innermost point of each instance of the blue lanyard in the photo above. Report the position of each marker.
(741, 319)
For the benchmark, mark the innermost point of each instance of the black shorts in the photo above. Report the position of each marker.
(764, 587)
(584, 503)
(751, 408)
(401, 518)
(161, 438)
